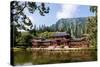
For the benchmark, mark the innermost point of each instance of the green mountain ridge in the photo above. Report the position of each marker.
(75, 26)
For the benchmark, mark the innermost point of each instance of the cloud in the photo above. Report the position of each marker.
(67, 11)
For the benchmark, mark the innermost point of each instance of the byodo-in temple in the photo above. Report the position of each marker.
(60, 40)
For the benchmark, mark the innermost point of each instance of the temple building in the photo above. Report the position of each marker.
(58, 39)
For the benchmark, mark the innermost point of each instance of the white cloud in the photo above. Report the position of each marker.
(67, 11)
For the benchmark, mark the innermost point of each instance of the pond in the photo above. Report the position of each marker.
(44, 56)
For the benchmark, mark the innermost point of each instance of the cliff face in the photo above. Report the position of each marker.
(74, 26)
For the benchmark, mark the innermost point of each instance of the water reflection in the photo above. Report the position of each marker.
(22, 57)
(43, 56)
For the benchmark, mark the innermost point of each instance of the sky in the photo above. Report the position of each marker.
(58, 11)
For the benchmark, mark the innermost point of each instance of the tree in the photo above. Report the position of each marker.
(92, 30)
(19, 20)
(18, 17)
(92, 26)
(33, 31)
(93, 9)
